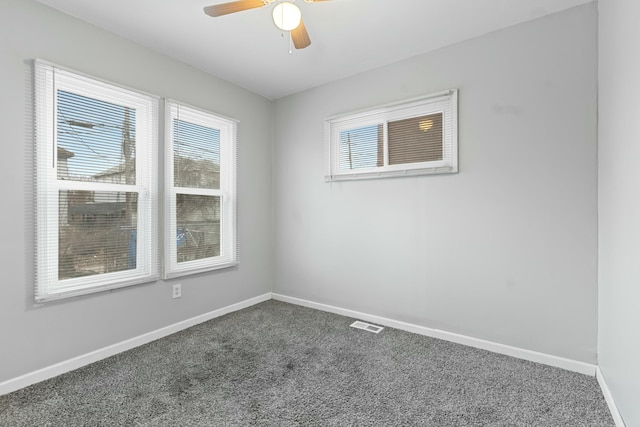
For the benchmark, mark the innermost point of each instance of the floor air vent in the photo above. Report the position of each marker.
(366, 326)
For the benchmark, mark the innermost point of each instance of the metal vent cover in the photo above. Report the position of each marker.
(366, 326)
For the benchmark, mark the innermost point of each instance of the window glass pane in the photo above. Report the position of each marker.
(198, 226)
(196, 155)
(361, 147)
(96, 140)
(98, 232)
(418, 139)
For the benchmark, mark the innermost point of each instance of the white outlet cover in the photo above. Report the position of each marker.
(177, 291)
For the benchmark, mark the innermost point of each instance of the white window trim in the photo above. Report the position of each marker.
(228, 189)
(50, 77)
(445, 102)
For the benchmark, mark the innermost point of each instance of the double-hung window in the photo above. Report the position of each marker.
(200, 191)
(413, 137)
(96, 186)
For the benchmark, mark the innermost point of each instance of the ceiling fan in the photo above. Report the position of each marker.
(286, 16)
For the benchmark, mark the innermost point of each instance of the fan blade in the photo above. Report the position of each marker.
(300, 36)
(232, 7)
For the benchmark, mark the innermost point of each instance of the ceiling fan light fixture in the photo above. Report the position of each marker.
(287, 16)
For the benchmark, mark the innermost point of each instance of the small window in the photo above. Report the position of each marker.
(410, 138)
(200, 191)
(96, 188)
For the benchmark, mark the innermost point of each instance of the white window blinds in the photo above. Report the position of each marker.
(96, 187)
(414, 137)
(200, 229)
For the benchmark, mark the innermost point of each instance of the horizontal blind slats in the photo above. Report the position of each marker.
(417, 139)
(92, 137)
(419, 134)
(200, 225)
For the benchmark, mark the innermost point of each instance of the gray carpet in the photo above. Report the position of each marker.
(276, 364)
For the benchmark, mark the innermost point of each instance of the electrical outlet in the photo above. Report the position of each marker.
(177, 290)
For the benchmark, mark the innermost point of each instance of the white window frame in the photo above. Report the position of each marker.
(227, 192)
(443, 102)
(48, 79)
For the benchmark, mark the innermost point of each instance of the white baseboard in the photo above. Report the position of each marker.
(94, 356)
(521, 353)
(608, 397)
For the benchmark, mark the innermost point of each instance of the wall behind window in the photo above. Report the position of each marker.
(506, 249)
(35, 337)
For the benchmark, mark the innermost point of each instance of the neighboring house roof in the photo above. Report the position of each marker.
(64, 153)
(114, 170)
(103, 208)
(184, 163)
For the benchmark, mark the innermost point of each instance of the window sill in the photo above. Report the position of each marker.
(179, 273)
(391, 174)
(71, 293)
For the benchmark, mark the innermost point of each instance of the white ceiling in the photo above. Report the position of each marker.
(348, 36)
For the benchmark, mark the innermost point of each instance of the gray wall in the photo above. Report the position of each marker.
(619, 204)
(35, 337)
(506, 250)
